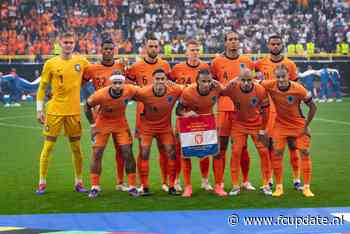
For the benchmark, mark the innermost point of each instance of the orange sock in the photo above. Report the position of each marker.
(294, 162)
(306, 166)
(95, 179)
(120, 166)
(265, 165)
(245, 164)
(132, 179)
(144, 171)
(172, 172)
(277, 165)
(217, 165)
(204, 165)
(163, 164)
(235, 165)
(186, 170)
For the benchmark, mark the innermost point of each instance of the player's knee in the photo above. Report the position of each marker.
(75, 138)
(291, 143)
(145, 154)
(51, 138)
(98, 152)
(171, 152)
(279, 152)
(304, 153)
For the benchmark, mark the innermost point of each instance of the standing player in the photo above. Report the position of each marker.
(99, 75)
(265, 69)
(64, 74)
(110, 120)
(290, 122)
(159, 100)
(186, 73)
(249, 119)
(197, 99)
(226, 67)
(141, 73)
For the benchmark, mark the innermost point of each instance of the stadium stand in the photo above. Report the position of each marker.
(313, 26)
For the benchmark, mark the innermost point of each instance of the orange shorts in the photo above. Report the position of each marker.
(122, 137)
(166, 138)
(302, 142)
(224, 123)
(239, 139)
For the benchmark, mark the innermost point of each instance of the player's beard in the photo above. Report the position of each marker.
(203, 91)
(117, 93)
(276, 53)
(152, 55)
(159, 90)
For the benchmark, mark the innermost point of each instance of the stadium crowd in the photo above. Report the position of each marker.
(31, 27)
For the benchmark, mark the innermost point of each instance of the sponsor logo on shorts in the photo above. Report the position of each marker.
(77, 67)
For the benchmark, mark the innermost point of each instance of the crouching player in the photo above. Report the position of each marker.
(110, 120)
(249, 119)
(158, 100)
(287, 96)
(198, 99)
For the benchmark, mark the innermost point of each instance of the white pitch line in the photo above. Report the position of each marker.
(18, 126)
(333, 121)
(17, 117)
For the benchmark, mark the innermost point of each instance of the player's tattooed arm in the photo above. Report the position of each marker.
(217, 85)
(311, 114)
(180, 109)
(88, 112)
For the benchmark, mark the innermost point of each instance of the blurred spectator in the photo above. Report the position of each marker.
(31, 27)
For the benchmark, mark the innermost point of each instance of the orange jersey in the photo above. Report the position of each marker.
(156, 116)
(111, 112)
(225, 69)
(287, 103)
(185, 74)
(248, 105)
(192, 100)
(99, 74)
(266, 67)
(141, 71)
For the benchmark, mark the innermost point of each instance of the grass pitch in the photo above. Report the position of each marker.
(21, 142)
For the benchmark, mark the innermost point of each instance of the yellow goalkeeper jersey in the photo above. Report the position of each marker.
(64, 78)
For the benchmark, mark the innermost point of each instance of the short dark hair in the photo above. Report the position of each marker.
(67, 33)
(107, 41)
(159, 70)
(229, 32)
(204, 72)
(192, 42)
(275, 36)
(151, 37)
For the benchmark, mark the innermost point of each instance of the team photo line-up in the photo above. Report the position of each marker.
(259, 99)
